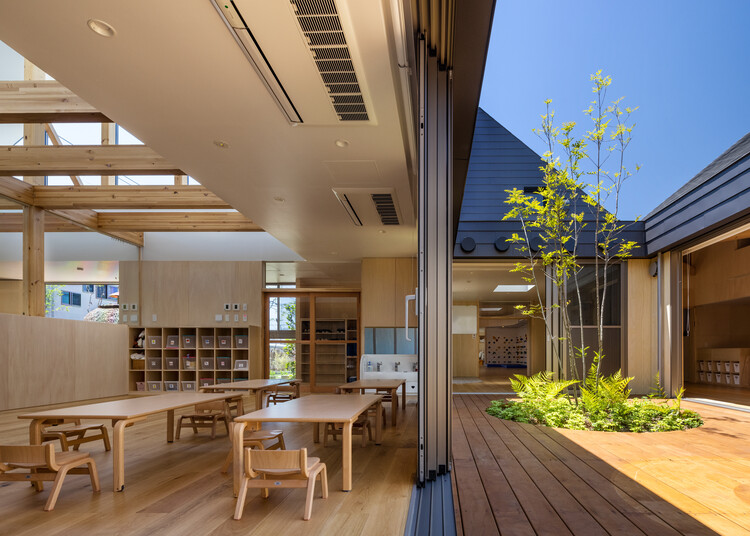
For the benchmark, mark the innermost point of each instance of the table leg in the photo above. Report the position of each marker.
(259, 398)
(379, 423)
(170, 426)
(403, 395)
(240, 406)
(118, 452)
(238, 453)
(394, 406)
(35, 431)
(316, 432)
(346, 446)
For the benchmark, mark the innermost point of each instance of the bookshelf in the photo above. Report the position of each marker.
(184, 359)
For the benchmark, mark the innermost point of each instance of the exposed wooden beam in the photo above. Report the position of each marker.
(131, 197)
(88, 220)
(44, 101)
(33, 261)
(175, 221)
(12, 222)
(52, 134)
(16, 190)
(83, 160)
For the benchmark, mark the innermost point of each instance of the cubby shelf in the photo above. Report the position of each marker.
(184, 359)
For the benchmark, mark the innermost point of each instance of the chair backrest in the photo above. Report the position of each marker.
(211, 407)
(28, 454)
(276, 462)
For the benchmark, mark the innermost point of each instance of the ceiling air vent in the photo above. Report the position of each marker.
(369, 206)
(320, 23)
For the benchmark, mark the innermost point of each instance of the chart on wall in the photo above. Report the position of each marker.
(506, 346)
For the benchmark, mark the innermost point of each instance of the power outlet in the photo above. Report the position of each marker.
(227, 306)
(236, 318)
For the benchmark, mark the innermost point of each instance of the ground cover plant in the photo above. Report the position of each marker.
(603, 405)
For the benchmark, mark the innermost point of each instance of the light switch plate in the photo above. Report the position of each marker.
(244, 318)
(124, 306)
(236, 318)
(153, 318)
(218, 318)
(244, 307)
(236, 306)
(134, 318)
(226, 318)
(134, 307)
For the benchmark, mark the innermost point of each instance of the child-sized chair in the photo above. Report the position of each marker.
(44, 464)
(73, 436)
(207, 415)
(281, 469)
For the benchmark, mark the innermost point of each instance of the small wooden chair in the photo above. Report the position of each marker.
(206, 415)
(283, 393)
(361, 426)
(44, 464)
(281, 469)
(255, 438)
(75, 435)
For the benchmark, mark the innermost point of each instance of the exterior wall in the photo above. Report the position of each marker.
(89, 302)
(642, 326)
(50, 360)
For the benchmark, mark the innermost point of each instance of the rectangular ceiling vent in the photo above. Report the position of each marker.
(369, 206)
(320, 23)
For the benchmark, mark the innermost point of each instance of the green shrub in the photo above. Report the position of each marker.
(604, 405)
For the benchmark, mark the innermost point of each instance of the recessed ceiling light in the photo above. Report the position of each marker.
(342, 143)
(334, 252)
(488, 309)
(513, 288)
(279, 199)
(102, 28)
(221, 144)
(382, 231)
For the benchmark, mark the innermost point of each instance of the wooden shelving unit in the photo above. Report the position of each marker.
(184, 359)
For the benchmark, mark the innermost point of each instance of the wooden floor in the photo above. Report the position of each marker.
(733, 395)
(491, 380)
(520, 479)
(177, 488)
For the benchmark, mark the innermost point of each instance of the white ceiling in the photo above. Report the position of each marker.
(477, 281)
(174, 77)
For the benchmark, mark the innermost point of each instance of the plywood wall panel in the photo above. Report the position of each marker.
(378, 292)
(52, 360)
(641, 359)
(405, 284)
(11, 297)
(465, 356)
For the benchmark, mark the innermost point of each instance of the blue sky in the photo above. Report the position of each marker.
(686, 64)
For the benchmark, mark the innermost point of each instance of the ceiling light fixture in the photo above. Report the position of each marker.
(279, 199)
(100, 27)
(513, 288)
(221, 144)
(342, 143)
(250, 47)
(490, 309)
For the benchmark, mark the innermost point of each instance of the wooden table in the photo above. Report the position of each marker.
(391, 385)
(253, 386)
(316, 409)
(123, 413)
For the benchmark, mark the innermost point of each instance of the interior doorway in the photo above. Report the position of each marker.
(716, 311)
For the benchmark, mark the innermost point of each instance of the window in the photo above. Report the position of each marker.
(88, 288)
(70, 298)
(101, 291)
(113, 289)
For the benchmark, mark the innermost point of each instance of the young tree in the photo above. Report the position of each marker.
(581, 175)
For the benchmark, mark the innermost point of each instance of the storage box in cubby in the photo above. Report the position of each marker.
(709, 377)
(702, 365)
(207, 341)
(223, 380)
(171, 386)
(188, 363)
(188, 341)
(736, 379)
(727, 366)
(225, 341)
(736, 367)
(173, 341)
(204, 382)
(240, 341)
(241, 364)
(153, 341)
(727, 378)
(153, 363)
(207, 363)
(140, 386)
(702, 376)
(188, 386)
(137, 364)
(223, 363)
(172, 363)
(154, 386)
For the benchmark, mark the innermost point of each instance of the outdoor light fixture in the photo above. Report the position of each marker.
(100, 27)
(513, 288)
(255, 56)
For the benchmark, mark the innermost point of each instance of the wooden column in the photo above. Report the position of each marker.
(108, 138)
(33, 134)
(33, 262)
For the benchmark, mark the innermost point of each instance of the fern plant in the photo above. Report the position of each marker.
(540, 386)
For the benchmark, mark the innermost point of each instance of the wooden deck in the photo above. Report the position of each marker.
(177, 489)
(519, 479)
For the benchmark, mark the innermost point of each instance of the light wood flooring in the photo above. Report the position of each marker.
(491, 380)
(177, 488)
(520, 479)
